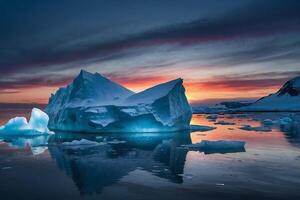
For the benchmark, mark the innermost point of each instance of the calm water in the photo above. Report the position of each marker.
(154, 166)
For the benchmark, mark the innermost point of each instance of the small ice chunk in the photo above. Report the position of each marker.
(218, 146)
(81, 142)
(268, 122)
(285, 121)
(5, 168)
(195, 128)
(38, 150)
(115, 141)
(19, 126)
(212, 117)
(259, 128)
(224, 123)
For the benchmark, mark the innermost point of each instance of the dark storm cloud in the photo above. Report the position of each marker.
(14, 86)
(271, 50)
(257, 19)
(246, 82)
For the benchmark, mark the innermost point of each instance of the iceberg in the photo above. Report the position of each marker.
(93, 103)
(217, 146)
(38, 125)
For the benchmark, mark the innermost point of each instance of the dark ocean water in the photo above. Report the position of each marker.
(153, 166)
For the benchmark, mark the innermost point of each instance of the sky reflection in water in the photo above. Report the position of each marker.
(151, 166)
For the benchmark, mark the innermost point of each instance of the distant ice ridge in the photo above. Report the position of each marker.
(93, 103)
(19, 126)
(286, 99)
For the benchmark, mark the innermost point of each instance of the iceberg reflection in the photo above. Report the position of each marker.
(95, 167)
(37, 144)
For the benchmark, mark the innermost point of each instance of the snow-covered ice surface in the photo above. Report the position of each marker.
(93, 103)
(38, 125)
(286, 99)
(220, 146)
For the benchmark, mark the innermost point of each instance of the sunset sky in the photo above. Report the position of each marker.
(223, 50)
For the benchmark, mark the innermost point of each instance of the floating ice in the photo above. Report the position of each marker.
(218, 146)
(212, 117)
(268, 122)
(201, 128)
(93, 103)
(115, 141)
(81, 142)
(284, 121)
(19, 126)
(259, 128)
(224, 123)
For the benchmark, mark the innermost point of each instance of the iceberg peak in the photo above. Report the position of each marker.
(155, 92)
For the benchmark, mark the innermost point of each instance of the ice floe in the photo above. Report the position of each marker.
(247, 127)
(201, 128)
(82, 142)
(217, 146)
(224, 123)
(19, 126)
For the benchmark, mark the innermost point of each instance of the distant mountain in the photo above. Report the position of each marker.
(286, 99)
(235, 104)
(222, 107)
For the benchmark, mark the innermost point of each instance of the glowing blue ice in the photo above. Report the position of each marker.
(19, 126)
(93, 103)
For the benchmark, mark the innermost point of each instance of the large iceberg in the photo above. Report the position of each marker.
(37, 125)
(93, 103)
